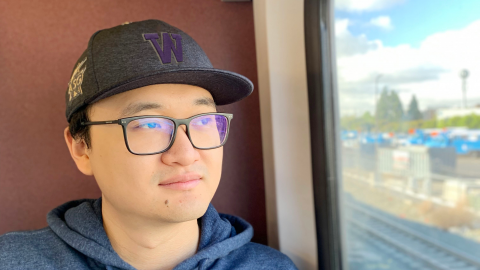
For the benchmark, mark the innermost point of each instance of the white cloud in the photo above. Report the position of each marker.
(431, 71)
(347, 44)
(365, 5)
(382, 22)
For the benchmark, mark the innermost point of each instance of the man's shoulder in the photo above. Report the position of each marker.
(25, 240)
(259, 256)
(31, 249)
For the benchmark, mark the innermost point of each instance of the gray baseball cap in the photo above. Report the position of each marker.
(138, 54)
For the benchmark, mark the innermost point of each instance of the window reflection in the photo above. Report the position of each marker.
(409, 91)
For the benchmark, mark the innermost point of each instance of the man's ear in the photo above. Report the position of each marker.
(79, 152)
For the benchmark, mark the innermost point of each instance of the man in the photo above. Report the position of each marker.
(141, 106)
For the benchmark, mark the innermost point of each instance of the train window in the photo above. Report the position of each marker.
(408, 81)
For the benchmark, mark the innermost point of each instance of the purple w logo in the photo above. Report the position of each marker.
(165, 55)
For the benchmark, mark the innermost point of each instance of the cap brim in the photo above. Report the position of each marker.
(226, 87)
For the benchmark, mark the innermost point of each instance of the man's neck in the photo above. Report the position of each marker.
(150, 247)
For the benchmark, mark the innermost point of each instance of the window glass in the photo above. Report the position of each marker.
(409, 97)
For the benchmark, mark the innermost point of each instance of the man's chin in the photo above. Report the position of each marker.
(184, 211)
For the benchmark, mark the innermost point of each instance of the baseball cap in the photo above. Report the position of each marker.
(138, 54)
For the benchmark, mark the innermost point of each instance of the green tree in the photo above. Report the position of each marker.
(347, 122)
(442, 123)
(413, 113)
(475, 121)
(396, 111)
(432, 123)
(381, 111)
(367, 121)
(389, 111)
(361, 123)
(469, 121)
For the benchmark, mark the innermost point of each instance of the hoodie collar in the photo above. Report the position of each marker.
(80, 224)
(220, 235)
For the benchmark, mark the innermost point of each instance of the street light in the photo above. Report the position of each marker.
(464, 75)
(375, 103)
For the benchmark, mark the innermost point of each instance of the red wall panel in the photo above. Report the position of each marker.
(40, 42)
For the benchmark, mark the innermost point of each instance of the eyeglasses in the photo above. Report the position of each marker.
(155, 134)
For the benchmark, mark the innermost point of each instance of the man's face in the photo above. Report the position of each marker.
(130, 183)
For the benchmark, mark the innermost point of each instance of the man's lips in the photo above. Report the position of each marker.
(182, 181)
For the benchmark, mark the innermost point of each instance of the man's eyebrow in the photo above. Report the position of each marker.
(205, 101)
(134, 108)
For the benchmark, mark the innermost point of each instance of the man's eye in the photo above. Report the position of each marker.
(206, 121)
(150, 125)
(203, 121)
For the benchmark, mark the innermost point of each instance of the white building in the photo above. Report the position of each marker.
(449, 113)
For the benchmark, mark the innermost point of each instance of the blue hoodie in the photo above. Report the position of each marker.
(75, 239)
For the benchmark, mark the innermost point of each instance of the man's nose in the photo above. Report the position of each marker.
(182, 151)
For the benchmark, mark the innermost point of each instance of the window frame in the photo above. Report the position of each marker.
(324, 131)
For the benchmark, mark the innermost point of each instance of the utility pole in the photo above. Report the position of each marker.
(464, 75)
(376, 104)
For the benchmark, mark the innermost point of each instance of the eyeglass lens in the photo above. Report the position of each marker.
(151, 135)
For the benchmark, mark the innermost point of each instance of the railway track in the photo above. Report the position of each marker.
(408, 246)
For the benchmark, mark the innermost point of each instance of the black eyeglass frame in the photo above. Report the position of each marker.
(177, 123)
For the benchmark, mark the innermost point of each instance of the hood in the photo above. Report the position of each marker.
(79, 223)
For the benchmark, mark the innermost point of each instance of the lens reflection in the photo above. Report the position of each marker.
(208, 131)
(149, 135)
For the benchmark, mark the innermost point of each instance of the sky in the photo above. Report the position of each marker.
(411, 46)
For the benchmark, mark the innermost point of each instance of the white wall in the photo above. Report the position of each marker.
(280, 48)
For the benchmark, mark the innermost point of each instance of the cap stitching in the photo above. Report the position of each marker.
(83, 102)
